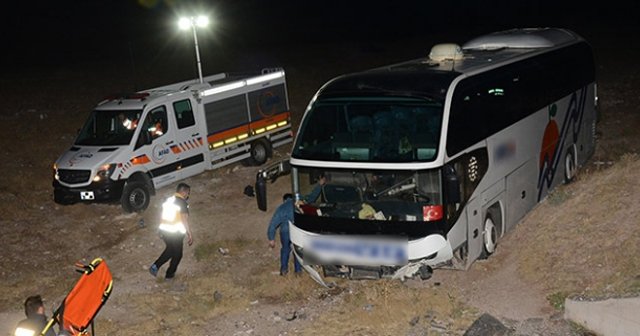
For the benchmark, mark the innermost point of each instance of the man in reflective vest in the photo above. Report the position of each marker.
(36, 321)
(173, 227)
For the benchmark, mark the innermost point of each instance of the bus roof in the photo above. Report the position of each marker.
(429, 78)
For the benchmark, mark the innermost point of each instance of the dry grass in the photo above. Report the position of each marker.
(389, 307)
(382, 307)
(255, 277)
(581, 241)
(222, 285)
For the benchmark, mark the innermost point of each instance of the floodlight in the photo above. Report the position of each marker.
(202, 21)
(184, 23)
(191, 22)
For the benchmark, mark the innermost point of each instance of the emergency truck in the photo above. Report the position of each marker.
(133, 144)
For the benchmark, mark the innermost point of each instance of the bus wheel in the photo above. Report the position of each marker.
(570, 167)
(260, 152)
(490, 237)
(135, 196)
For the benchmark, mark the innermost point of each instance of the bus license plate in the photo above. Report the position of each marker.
(357, 251)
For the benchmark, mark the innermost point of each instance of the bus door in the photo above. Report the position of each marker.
(474, 229)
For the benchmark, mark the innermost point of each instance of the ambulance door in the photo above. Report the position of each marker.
(190, 142)
(154, 146)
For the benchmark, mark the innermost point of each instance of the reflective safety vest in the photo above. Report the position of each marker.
(171, 218)
(24, 332)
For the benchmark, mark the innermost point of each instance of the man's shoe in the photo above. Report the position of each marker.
(153, 270)
(283, 273)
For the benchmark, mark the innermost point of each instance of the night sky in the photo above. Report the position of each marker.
(65, 32)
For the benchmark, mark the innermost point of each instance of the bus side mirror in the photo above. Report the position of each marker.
(270, 173)
(451, 185)
(261, 192)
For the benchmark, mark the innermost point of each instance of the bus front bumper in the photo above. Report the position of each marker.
(428, 251)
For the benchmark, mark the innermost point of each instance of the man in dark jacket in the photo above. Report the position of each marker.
(281, 218)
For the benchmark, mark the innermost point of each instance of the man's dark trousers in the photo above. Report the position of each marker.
(172, 251)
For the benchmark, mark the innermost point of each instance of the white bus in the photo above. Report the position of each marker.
(429, 162)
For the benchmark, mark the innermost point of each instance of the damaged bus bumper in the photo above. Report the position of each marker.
(362, 257)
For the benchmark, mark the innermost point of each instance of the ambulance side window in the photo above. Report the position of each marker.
(184, 113)
(156, 123)
(154, 126)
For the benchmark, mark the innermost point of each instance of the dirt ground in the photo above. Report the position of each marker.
(566, 246)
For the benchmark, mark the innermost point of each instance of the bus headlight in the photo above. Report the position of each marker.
(104, 172)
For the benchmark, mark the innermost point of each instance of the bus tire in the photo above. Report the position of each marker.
(259, 153)
(489, 236)
(570, 166)
(136, 196)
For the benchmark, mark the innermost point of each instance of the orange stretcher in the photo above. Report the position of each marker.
(79, 308)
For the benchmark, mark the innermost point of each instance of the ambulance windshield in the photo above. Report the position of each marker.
(109, 128)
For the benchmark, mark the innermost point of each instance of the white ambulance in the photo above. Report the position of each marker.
(132, 145)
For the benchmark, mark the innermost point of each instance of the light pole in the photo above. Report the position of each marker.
(194, 22)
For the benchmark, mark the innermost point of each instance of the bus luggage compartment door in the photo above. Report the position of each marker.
(474, 229)
(521, 193)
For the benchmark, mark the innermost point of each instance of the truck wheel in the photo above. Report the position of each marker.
(260, 152)
(135, 196)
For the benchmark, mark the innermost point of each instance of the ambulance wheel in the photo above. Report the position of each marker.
(260, 152)
(135, 196)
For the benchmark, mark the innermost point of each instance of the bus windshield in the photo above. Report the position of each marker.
(370, 130)
(387, 195)
(109, 128)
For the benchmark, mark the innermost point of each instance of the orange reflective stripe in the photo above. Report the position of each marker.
(268, 121)
(244, 129)
(228, 134)
(142, 159)
(175, 149)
